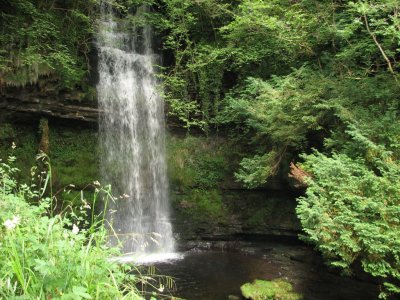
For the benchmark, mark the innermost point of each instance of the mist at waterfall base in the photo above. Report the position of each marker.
(132, 139)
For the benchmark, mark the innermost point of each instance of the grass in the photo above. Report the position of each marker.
(48, 255)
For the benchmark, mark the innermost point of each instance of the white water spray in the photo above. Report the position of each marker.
(132, 136)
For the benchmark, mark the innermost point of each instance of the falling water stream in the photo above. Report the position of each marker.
(132, 136)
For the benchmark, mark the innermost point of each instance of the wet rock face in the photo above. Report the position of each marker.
(244, 215)
(45, 99)
(209, 204)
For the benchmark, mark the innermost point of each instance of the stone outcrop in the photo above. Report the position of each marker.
(46, 100)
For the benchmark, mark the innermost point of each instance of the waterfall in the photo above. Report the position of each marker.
(132, 135)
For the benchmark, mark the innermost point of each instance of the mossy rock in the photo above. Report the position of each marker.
(277, 289)
(198, 162)
(74, 156)
(203, 205)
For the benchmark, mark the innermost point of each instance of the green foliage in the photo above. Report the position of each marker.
(42, 38)
(287, 115)
(210, 39)
(377, 45)
(255, 171)
(57, 256)
(278, 116)
(269, 33)
(193, 85)
(351, 213)
(277, 289)
(75, 199)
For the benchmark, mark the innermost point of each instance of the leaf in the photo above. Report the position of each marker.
(80, 291)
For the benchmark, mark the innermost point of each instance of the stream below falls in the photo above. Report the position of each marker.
(218, 275)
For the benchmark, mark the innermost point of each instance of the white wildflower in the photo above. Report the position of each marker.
(75, 229)
(125, 196)
(11, 224)
(96, 183)
(13, 145)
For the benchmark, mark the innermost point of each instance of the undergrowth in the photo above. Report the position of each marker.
(57, 255)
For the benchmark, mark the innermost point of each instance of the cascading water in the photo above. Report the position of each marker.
(132, 136)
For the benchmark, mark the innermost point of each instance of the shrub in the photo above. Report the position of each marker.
(351, 213)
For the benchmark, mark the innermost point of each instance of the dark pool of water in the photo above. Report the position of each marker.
(215, 275)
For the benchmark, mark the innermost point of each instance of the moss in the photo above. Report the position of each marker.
(277, 289)
(197, 162)
(73, 152)
(24, 75)
(90, 93)
(258, 209)
(74, 156)
(203, 205)
(257, 216)
(198, 166)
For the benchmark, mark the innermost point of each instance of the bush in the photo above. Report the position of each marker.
(351, 213)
